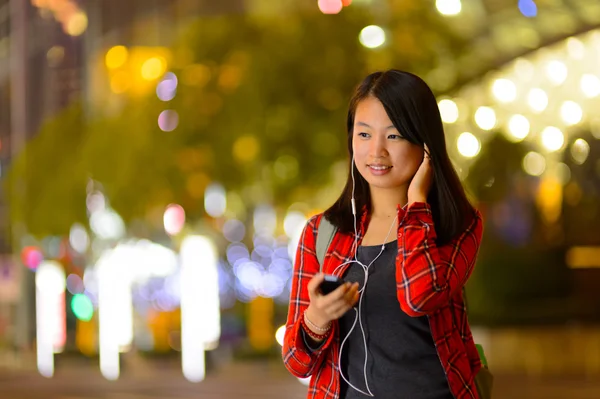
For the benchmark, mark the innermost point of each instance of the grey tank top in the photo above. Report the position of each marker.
(402, 358)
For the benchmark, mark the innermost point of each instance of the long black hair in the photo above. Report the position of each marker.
(412, 107)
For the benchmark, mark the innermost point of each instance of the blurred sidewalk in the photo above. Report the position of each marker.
(264, 380)
(543, 351)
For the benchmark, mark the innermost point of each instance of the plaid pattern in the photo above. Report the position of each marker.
(429, 281)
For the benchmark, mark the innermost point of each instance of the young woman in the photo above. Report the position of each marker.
(405, 244)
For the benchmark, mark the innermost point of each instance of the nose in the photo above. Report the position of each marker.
(378, 146)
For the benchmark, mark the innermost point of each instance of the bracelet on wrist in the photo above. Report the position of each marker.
(314, 326)
(312, 334)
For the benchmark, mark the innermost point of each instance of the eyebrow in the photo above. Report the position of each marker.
(367, 125)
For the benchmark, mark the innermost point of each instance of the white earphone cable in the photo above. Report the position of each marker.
(358, 313)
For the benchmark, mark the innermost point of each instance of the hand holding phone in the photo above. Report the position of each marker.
(330, 298)
(330, 283)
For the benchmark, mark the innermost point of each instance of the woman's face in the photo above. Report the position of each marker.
(382, 156)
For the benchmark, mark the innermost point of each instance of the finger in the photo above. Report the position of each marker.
(349, 297)
(355, 299)
(314, 283)
(339, 310)
(342, 305)
(427, 154)
(336, 294)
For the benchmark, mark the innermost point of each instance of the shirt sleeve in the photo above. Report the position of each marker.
(429, 275)
(298, 357)
(309, 344)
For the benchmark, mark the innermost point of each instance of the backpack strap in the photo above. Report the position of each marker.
(325, 234)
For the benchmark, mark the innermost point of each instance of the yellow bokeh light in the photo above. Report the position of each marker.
(120, 82)
(246, 148)
(534, 163)
(153, 68)
(504, 90)
(552, 138)
(468, 145)
(571, 113)
(116, 57)
(448, 7)
(448, 111)
(279, 334)
(485, 117)
(372, 36)
(549, 198)
(557, 72)
(537, 100)
(580, 151)
(518, 127)
(77, 24)
(590, 85)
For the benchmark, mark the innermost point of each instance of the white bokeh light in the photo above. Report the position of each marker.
(518, 127)
(485, 117)
(448, 111)
(504, 90)
(215, 200)
(468, 145)
(537, 100)
(372, 36)
(448, 7)
(552, 138)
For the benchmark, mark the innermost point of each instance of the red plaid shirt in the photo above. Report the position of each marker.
(429, 281)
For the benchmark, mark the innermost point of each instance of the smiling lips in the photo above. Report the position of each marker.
(378, 169)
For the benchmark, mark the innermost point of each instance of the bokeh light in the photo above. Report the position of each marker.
(82, 307)
(79, 238)
(580, 149)
(153, 68)
(215, 200)
(168, 120)
(537, 100)
(528, 8)
(279, 334)
(234, 230)
(116, 57)
(468, 145)
(448, 111)
(75, 284)
(552, 138)
(518, 127)
(504, 90)
(167, 87)
(77, 23)
(534, 163)
(330, 6)
(557, 72)
(372, 36)
(448, 7)
(571, 113)
(485, 117)
(32, 256)
(590, 85)
(174, 219)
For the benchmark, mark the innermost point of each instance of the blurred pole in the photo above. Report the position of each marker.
(92, 42)
(18, 136)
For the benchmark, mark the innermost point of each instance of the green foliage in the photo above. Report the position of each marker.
(273, 89)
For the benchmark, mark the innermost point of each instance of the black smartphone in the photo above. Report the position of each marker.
(330, 283)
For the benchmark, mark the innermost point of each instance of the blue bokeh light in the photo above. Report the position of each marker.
(528, 8)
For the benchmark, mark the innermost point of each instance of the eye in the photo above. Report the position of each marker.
(363, 135)
(395, 137)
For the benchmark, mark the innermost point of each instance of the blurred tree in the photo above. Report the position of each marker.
(261, 103)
